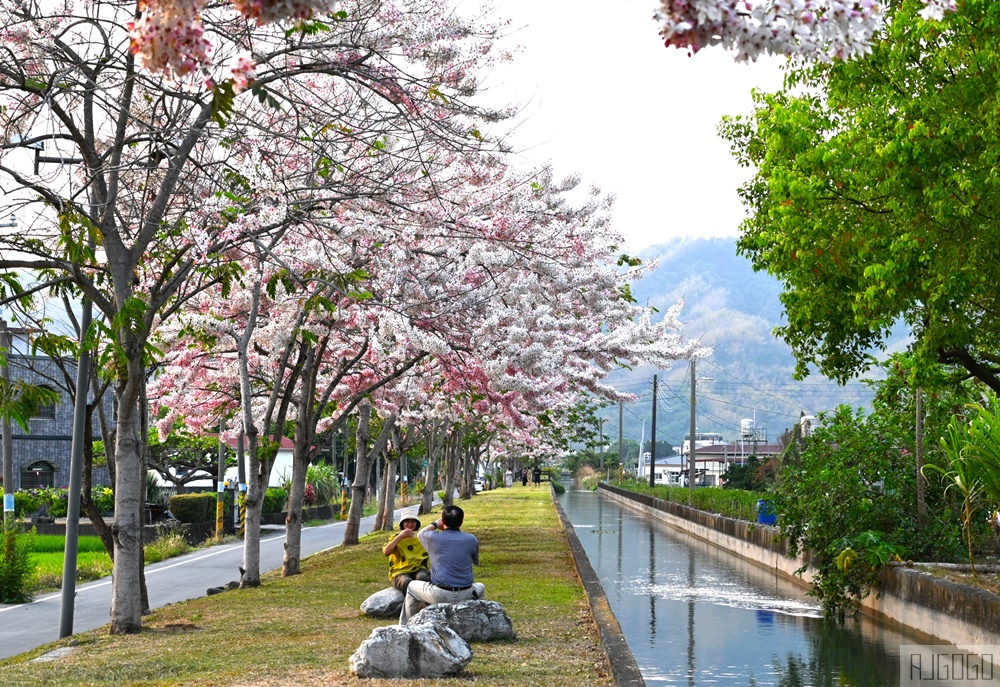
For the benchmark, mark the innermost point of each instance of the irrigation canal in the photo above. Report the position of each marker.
(693, 614)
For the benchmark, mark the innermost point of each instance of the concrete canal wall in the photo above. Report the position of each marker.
(937, 608)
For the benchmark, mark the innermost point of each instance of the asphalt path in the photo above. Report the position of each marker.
(26, 626)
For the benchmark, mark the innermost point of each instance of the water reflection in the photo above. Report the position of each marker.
(695, 615)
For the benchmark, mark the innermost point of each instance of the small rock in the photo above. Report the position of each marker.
(384, 604)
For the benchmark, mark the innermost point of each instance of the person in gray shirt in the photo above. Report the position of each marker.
(452, 554)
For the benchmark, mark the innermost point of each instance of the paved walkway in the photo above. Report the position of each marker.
(26, 626)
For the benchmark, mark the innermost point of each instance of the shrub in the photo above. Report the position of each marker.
(58, 502)
(16, 566)
(323, 480)
(275, 499)
(166, 546)
(25, 503)
(103, 498)
(193, 507)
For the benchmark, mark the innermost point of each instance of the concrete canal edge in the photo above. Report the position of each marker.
(624, 669)
(940, 610)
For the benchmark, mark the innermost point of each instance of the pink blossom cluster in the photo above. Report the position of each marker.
(168, 36)
(812, 29)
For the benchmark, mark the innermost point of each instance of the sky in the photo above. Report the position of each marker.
(603, 97)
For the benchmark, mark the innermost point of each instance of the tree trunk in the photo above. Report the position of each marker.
(290, 564)
(86, 495)
(380, 508)
(293, 517)
(388, 498)
(453, 456)
(250, 575)
(363, 467)
(434, 442)
(126, 530)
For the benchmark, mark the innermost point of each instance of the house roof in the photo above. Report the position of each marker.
(731, 450)
(286, 443)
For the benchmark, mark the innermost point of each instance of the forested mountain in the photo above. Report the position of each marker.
(734, 310)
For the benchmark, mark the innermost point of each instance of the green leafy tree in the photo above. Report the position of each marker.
(850, 499)
(182, 457)
(876, 195)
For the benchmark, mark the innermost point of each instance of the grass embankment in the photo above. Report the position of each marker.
(301, 630)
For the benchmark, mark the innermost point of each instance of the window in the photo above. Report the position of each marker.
(37, 475)
(47, 411)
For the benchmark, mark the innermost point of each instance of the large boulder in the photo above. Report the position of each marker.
(411, 651)
(384, 604)
(473, 620)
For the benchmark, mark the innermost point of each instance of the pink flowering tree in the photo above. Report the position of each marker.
(142, 192)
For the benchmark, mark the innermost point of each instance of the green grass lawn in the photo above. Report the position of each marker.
(301, 630)
(92, 561)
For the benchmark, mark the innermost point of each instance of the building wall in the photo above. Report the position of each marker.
(49, 440)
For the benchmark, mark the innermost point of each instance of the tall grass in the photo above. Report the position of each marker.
(732, 503)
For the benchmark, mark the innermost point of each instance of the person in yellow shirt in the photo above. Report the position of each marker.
(408, 559)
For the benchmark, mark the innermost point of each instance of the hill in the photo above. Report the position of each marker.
(734, 310)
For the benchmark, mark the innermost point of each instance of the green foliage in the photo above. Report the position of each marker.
(323, 479)
(854, 487)
(732, 503)
(164, 547)
(154, 492)
(875, 192)
(192, 508)
(25, 503)
(275, 499)
(16, 566)
(752, 475)
(972, 448)
(19, 400)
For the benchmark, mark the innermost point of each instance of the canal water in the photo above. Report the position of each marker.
(695, 615)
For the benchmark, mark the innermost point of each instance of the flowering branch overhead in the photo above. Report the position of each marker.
(820, 30)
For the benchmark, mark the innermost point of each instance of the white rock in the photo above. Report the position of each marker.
(411, 651)
(384, 604)
(473, 620)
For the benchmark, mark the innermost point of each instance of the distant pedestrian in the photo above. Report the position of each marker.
(508, 478)
(536, 476)
(524, 477)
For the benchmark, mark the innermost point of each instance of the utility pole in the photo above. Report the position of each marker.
(691, 468)
(621, 438)
(8, 439)
(600, 430)
(220, 485)
(652, 443)
(71, 547)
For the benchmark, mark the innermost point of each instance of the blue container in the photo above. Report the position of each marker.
(766, 515)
